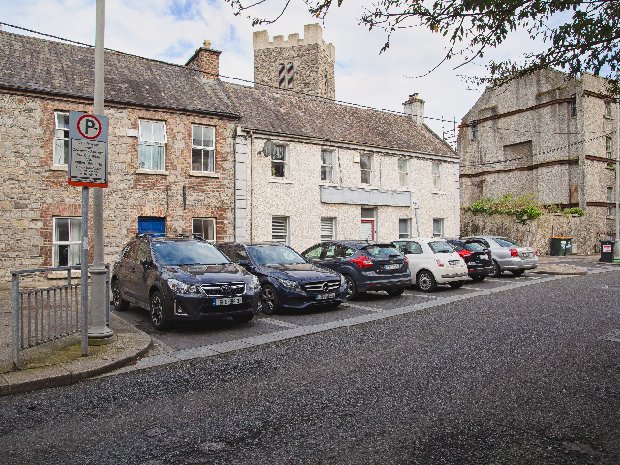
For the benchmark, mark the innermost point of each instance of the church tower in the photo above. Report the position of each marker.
(301, 65)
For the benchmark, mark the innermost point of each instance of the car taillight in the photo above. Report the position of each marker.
(464, 253)
(536, 253)
(439, 262)
(514, 253)
(362, 261)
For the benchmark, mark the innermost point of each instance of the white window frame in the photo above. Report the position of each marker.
(406, 235)
(209, 149)
(403, 176)
(609, 147)
(144, 141)
(369, 170)
(329, 167)
(610, 199)
(607, 108)
(325, 220)
(205, 220)
(58, 161)
(278, 237)
(283, 162)
(440, 222)
(56, 243)
(436, 175)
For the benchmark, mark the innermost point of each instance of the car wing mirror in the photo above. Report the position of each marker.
(245, 263)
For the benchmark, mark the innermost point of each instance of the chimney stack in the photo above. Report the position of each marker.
(206, 60)
(414, 107)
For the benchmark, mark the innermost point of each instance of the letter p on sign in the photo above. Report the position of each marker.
(89, 127)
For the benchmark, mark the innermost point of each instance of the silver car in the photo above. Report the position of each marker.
(507, 255)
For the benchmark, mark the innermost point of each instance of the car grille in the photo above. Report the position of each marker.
(323, 286)
(223, 289)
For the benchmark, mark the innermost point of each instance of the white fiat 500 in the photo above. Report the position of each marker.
(433, 261)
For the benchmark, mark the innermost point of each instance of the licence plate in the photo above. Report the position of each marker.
(393, 266)
(228, 301)
(454, 262)
(526, 254)
(331, 295)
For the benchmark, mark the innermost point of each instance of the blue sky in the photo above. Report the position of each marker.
(171, 30)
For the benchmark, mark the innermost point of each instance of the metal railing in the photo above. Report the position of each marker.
(45, 314)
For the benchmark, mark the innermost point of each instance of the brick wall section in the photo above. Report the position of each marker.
(207, 61)
(32, 191)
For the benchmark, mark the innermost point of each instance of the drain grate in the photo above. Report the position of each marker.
(613, 336)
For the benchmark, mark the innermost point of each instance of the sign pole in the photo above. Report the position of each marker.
(98, 329)
(617, 242)
(84, 271)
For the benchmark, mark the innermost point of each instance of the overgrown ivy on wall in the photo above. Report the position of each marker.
(523, 207)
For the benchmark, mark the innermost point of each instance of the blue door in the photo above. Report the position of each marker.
(152, 225)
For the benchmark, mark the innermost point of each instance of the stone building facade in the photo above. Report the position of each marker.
(40, 212)
(303, 65)
(548, 135)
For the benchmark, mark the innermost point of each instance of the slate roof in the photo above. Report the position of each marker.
(284, 112)
(33, 64)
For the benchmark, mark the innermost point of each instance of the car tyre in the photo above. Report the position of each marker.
(244, 318)
(395, 292)
(156, 311)
(118, 303)
(456, 284)
(518, 272)
(269, 299)
(497, 271)
(426, 281)
(352, 291)
(478, 278)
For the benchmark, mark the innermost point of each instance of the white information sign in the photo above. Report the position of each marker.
(88, 160)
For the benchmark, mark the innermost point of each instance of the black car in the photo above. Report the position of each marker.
(182, 279)
(365, 265)
(476, 256)
(287, 280)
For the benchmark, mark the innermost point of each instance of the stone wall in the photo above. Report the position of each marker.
(586, 231)
(33, 190)
(313, 61)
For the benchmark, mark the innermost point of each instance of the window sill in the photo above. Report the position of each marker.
(328, 184)
(609, 117)
(204, 174)
(439, 192)
(59, 168)
(368, 187)
(156, 172)
(280, 181)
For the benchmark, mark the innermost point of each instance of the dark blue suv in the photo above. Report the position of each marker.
(365, 265)
(182, 279)
(287, 280)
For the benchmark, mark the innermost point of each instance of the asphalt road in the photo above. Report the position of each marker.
(528, 375)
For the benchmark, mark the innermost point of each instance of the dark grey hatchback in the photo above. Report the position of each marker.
(365, 265)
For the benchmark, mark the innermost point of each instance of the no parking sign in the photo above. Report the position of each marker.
(88, 159)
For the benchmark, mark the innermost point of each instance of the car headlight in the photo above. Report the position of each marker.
(182, 288)
(289, 284)
(255, 283)
(343, 282)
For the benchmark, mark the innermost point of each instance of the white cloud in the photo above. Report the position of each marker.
(171, 30)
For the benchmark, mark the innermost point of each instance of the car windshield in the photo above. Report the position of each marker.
(440, 247)
(382, 251)
(178, 253)
(505, 242)
(474, 247)
(274, 255)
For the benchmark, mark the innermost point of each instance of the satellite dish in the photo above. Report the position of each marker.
(269, 148)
